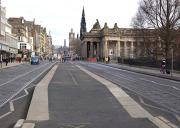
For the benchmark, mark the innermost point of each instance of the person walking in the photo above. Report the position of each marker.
(6, 60)
(109, 59)
(106, 60)
(163, 66)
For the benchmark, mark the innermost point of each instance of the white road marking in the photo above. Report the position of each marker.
(116, 68)
(123, 77)
(73, 78)
(167, 122)
(132, 107)
(20, 76)
(6, 114)
(177, 117)
(39, 110)
(177, 82)
(176, 88)
(161, 84)
(26, 93)
(11, 105)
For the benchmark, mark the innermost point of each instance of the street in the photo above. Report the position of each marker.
(161, 91)
(78, 99)
(17, 82)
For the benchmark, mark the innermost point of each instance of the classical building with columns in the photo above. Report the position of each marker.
(113, 42)
(127, 45)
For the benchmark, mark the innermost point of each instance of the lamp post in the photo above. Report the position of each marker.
(172, 60)
(0, 35)
(1, 56)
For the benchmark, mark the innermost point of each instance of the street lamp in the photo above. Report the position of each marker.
(1, 56)
(172, 59)
(0, 35)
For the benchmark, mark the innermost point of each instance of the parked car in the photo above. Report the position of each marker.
(35, 60)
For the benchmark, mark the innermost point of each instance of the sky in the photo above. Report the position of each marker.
(59, 16)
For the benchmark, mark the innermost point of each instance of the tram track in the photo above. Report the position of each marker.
(154, 93)
(14, 86)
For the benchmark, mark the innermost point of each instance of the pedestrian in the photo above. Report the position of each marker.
(109, 59)
(106, 60)
(163, 66)
(19, 59)
(6, 60)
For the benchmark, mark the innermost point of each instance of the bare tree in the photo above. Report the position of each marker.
(148, 35)
(163, 16)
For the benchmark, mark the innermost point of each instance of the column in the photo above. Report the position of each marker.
(98, 50)
(101, 49)
(132, 49)
(125, 49)
(105, 50)
(88, 49)
(118, 49)
(91, 50)
(138, 49)
(85, 50)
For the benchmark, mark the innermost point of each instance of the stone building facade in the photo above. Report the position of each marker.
(20, 30)
(74, 44)
(71, 42)
(127, 44)
(113, 42)
(31, 37)
(8, 43)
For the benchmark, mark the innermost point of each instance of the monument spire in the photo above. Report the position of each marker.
(83, 23)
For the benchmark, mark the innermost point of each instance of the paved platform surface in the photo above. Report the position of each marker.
(76, 100)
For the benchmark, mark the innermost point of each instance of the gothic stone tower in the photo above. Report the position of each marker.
(83, 24)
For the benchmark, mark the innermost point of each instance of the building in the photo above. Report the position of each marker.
(37, 35)
(83, 24)
(31, 35)
(20, 30)
(124, 43)
(71, 43)
(12, 42)
(32, 39)
(42, 42)
(8, 43)
(113, 42)
(49, 45)
(3, 45)
(74, 44)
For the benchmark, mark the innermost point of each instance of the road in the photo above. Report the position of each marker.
(13, 80)
(77, 100)
(16, 88)
(164, 92)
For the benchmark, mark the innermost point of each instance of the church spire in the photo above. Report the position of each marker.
(83, 23)
(83, 13)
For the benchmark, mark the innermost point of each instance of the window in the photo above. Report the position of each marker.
(22, 46)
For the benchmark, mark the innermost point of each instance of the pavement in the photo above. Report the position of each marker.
(9, 65)
(78, 98)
